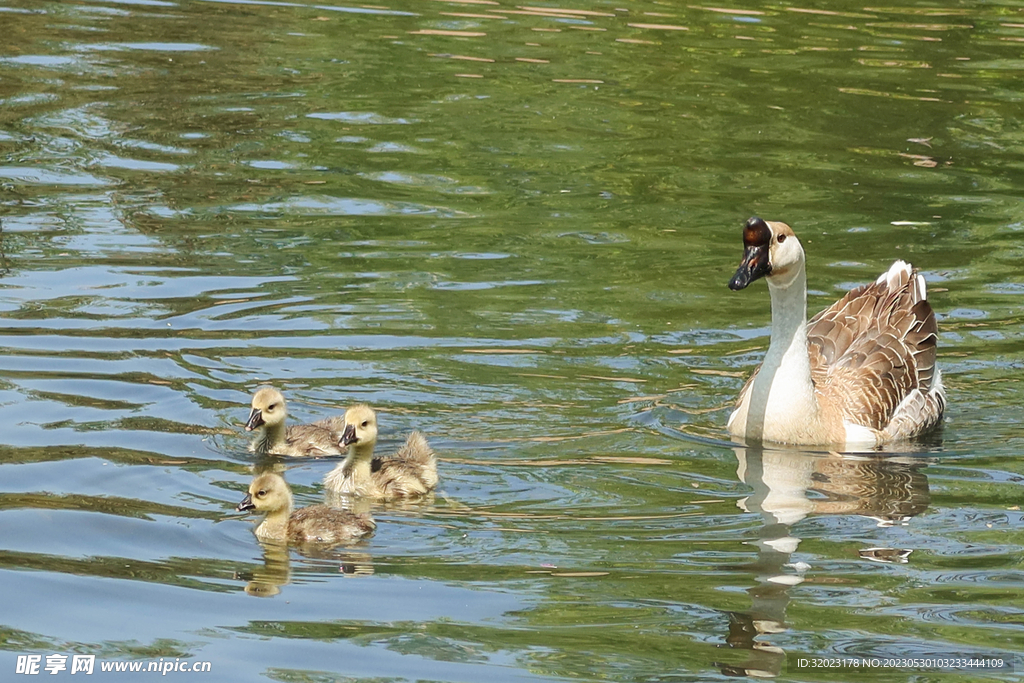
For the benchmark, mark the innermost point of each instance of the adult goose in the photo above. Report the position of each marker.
(859, 374)
(411, 471)
(268, 415)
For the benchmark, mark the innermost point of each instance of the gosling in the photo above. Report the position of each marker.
(306, 440)
(411, 471)
(319, 524)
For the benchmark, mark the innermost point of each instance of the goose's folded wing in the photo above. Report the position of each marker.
(871, 379)
(875, 346)
(881, 305)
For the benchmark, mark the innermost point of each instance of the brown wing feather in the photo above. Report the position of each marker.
(873, 347)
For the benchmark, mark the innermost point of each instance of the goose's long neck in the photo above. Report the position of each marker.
(276, 434)
(788, 347)
(273, 436)
(783, 389)
(275, 525)
(359, 459)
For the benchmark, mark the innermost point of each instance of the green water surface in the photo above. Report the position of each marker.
(511, 227)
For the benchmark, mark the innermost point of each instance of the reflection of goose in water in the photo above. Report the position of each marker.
(861, 373)
(266, 581)
(890, 489)
(411, 471)
(788, 486)
(317, 524)
(268, 415)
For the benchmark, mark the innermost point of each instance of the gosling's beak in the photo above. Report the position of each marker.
(756, 262)
(255, 420)
(246, 504)
(348, 437)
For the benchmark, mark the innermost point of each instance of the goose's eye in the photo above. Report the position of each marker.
(782, 238)
(365, 423)
(261, 493)
(272, 407)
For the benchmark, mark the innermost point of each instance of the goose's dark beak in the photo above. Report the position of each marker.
(255, 420)
(246, 504)
(348, 437)
(753, 266)
(757, 237)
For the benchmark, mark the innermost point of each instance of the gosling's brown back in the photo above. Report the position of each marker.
(411, 471)
(323, 524)
(316, 439)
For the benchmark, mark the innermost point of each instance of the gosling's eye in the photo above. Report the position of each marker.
(261, 493)
(272, 407)
(782, 238)
(365, 423)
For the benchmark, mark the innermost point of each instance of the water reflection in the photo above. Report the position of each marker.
(360, 505)
(788, 486)
(276, 572)
(266, 581)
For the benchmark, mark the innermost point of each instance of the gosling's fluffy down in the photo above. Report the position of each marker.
(306, 440)
(320, 524)
(411, 471)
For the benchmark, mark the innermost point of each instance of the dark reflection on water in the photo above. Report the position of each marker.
(510, 227)
(788, 486)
